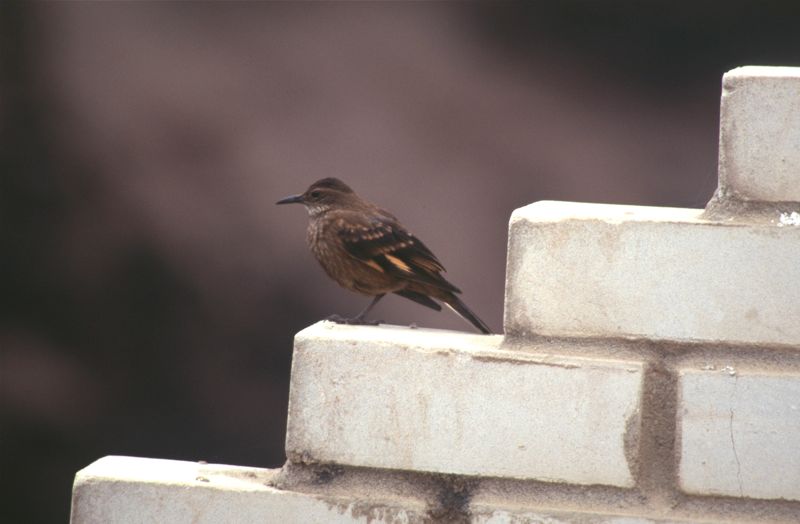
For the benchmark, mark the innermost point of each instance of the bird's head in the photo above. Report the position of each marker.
(323, 195)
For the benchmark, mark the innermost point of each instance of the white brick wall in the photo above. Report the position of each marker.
(740, 433)
(430, 400)
(595, 270)
(651, 374)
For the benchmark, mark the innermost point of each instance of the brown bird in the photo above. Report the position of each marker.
(365, 249)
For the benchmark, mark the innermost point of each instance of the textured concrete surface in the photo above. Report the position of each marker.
(589, 270)
(127, 490)
(440, 401)
(759, 149)
(739, 433)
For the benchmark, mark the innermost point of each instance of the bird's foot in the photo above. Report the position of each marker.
(353, 321)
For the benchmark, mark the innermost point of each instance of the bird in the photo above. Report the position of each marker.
(366, 249)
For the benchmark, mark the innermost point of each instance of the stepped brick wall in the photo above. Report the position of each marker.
(649, 372)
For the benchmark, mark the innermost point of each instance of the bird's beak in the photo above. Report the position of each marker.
(294, 199)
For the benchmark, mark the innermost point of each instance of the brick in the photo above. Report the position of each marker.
(499, 516)
(759, 147)
(739, 433)
(126, 490)
(450, 402)
(595, 270)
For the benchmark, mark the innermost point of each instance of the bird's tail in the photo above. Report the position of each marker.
(464, 312)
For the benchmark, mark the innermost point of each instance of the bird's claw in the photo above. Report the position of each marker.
(353, 321)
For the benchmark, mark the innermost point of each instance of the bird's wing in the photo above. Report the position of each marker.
(384, 244)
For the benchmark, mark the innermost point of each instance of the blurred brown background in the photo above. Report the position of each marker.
(150, 287)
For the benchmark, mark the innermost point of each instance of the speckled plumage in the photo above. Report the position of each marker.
(365, 249)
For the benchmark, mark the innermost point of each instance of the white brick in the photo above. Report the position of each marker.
(740, 433)
(127, 490)
(440, 401)
(759, 147)
(589, 270)
(496, 516)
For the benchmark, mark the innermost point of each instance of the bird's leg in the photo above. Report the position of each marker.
(359, 319)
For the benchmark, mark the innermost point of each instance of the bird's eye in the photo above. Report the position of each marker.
(316, 194)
